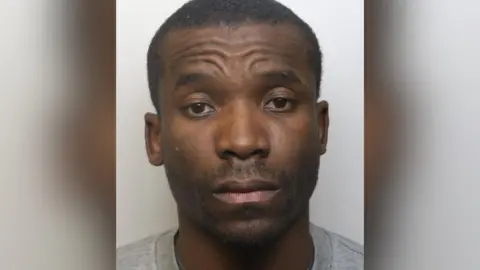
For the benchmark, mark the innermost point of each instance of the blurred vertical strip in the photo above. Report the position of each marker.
(92, 121)
(87, 122)
(57, 180)
(421, 143)
(89, 127)
(384, 132)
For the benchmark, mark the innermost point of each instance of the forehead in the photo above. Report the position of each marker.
(280, 42)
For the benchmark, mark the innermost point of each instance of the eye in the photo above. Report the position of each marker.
(200, 109)
(279, 105)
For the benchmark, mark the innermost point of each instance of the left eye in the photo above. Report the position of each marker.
(279, 104)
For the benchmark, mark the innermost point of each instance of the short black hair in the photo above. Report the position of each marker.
(203, 13)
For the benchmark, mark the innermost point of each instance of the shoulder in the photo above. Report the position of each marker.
(147, 254)
(342, 253)
(346, 253)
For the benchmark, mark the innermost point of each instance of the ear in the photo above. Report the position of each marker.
(153, 139)
(323, 123)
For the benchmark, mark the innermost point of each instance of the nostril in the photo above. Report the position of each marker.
(259, 153)
(228, 154)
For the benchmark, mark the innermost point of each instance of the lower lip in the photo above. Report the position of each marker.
(246, 197)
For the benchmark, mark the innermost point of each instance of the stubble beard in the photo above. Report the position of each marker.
(192, 196)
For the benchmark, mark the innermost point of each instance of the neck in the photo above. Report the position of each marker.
(293, 250)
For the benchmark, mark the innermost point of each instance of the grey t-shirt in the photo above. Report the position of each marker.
(332, 252)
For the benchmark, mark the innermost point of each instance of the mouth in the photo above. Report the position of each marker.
(247, 191)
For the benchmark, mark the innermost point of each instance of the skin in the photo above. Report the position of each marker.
(239, 103)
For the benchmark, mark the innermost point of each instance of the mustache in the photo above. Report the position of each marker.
(242, 170)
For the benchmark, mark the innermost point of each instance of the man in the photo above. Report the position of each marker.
(240, 133)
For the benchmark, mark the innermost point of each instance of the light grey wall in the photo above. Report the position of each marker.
(144, 203)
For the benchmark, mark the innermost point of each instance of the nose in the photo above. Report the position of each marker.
(242, 135)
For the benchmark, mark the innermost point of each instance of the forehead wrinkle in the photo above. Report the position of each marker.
(197, 53)
(265, 54)
(205, 63)
(230, 47)
(227, 41)
(221, 47)
(273, 59)
(197, 49)
(228, 38)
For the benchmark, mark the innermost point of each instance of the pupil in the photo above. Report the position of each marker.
(280, 102)
(198, 108)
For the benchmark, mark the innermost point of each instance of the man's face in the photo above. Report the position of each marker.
(240, 132)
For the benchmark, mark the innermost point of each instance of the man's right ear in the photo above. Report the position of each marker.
(153, 139)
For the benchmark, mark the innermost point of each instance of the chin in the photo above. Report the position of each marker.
(251, 233)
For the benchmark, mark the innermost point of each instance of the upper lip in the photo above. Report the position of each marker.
(250, 185)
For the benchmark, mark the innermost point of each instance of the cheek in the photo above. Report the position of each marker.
(291, 140)
(189, 146)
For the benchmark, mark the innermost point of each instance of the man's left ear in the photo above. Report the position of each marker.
(323, 123)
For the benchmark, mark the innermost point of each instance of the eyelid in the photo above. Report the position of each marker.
(283, 95)
(281, 90)
(198, 98)
(193, 102)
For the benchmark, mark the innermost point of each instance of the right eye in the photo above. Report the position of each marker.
(200, 109)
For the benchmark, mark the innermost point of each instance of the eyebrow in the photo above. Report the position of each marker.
(191, 78)
(282, 77)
